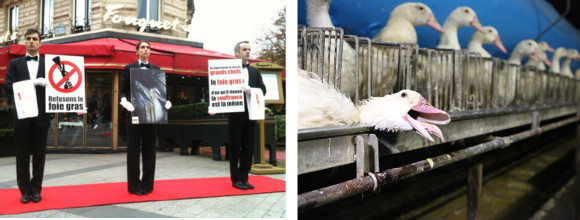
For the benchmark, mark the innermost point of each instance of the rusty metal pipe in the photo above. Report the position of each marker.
(357, 186)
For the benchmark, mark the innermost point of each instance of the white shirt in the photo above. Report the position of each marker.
(142, 67)
(32, 67)
(245, 76)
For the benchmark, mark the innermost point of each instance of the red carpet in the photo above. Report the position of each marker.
(60, 197)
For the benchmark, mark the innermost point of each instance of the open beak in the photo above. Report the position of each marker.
(424, 118)
(432, 22)
(475, 23)
(499, 45)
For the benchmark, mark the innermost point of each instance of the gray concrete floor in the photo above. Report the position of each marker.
(74, 169)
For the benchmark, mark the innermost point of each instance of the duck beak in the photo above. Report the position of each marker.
(497, 42)
(550, 49)
(432, 22)
(426, 119)
(536, 56)
(475, 23)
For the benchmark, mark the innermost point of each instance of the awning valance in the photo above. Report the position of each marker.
(109, 53)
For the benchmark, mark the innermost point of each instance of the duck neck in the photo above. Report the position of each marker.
(555, 63)
(566, 64)
(449, 39)
(516, 57)
(317, 13)
(475, 44)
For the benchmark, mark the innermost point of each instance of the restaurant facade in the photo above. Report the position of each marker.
(105, 33)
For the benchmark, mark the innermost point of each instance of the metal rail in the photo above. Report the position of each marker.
(357, 186)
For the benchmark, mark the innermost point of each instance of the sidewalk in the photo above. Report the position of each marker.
(74, 169)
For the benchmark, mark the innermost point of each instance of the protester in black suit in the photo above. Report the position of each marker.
(241, 129)
(141, 137)
(30, 133)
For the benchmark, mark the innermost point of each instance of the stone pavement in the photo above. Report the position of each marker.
(73, 169)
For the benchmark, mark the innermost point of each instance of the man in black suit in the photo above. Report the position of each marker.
(241, 129)
(30, 133)
(141, 137)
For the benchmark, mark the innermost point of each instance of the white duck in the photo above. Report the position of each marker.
(558, 54)
(489, 36)
(527, 48)
(479, 75)
(460, 17)
(317, 16)
(400, 27)
(572, 55)
(405, 110)
(542, 46)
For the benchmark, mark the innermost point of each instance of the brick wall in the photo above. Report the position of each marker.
(30, 12)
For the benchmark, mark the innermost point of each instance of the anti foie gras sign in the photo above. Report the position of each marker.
(225, 86)
(65, 91)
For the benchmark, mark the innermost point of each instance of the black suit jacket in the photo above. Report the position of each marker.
(125, 90)
(18, 71)
(254, 81)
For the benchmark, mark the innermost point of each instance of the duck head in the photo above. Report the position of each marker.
(530, 49)
(572, 54)
(418, 14)
(405, 110)
(465, 16)
(490, 36)
(545, 47)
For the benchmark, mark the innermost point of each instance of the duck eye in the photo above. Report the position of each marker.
(490, 31)
(421, 8)
(530, 44)
(466, 10)
(404, 94)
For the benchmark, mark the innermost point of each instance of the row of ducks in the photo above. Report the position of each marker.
(400, 28)
(323, 105)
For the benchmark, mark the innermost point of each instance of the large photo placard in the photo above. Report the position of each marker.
(65, 91)
(148, 95)
(225, 86)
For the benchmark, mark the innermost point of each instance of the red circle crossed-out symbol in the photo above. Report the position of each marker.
(57, 86)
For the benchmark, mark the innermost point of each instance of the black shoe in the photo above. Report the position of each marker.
(36, 198)
(249, 186)
(25, 199)
(139, 193)
(147, 192)
(240, 185)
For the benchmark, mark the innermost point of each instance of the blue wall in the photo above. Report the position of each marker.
(515, 20)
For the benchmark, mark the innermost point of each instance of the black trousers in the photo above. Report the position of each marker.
(241, 149)
(30, 141)
(141, 142)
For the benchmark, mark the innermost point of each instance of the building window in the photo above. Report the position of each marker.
(47, 15)
(13, 18)
(148, 9)
(82, 15)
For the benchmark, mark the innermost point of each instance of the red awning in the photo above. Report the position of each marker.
(108, 53)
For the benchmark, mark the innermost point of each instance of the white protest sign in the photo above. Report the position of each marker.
(225, 86)
(25, 99)
(65, 91)
(256, 104)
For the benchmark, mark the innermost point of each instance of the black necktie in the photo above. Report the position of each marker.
(245, 65)
(145, 65)
(28, 58)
